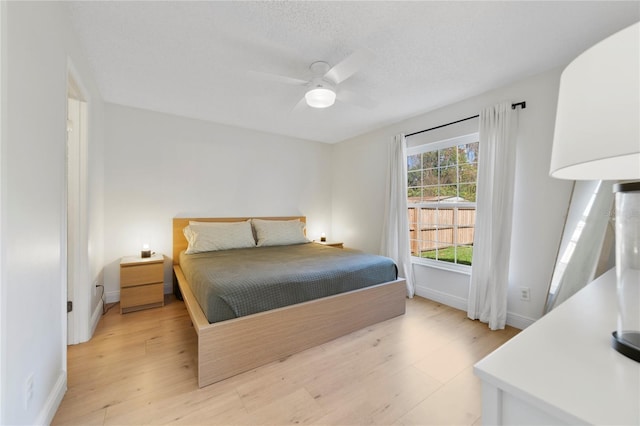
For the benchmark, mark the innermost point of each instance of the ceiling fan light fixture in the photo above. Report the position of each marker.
(320, 97)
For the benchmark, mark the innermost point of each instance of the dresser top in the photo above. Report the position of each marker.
(564, 362)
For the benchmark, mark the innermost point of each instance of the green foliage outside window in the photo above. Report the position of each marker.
(445, 173)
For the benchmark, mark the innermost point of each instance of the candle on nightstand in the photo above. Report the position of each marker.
(146, 252)
(323, 238)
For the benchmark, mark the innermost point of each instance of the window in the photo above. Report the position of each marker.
(441, 182)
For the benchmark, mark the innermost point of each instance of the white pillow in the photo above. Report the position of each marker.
(279, 232)
(213, 236)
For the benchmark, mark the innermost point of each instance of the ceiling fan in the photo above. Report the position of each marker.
(323, 89)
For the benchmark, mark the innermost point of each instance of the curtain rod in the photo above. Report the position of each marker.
(522, 104)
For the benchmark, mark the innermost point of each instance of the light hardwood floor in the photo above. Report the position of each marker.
(412, 370)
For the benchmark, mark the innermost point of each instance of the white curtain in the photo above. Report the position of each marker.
(494, 205)
(395, 231)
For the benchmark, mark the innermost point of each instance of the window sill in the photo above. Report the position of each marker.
(445, 266)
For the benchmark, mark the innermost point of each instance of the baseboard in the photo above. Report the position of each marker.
(513, 320)
(440, 297)
(112, 296)
(53, 401)
(95, 318)
(519, 321)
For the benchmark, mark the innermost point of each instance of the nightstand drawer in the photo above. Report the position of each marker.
(142, 295)
(134, 275)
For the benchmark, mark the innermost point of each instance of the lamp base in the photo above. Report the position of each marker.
(627, 343)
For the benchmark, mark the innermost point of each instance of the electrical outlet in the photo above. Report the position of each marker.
(28, 391)
(525, 294)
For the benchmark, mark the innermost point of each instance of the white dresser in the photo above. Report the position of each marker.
(562, 369)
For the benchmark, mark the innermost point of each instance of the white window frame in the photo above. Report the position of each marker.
(433, 146)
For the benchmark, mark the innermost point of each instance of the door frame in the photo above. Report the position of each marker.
(3, 138)
(76, 323)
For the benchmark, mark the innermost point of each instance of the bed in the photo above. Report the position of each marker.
(249, 339)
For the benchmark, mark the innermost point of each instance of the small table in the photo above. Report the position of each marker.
(141, 283)
(336, 244)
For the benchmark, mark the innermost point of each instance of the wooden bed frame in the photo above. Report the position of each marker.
(234, 346)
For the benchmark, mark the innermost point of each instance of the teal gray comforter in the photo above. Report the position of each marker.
(234, 283)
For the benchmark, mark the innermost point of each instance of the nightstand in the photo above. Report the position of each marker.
(141, 283)
(336, 244)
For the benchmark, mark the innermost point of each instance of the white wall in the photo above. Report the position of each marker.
(160, 166)
(37, 42)
(539, 207)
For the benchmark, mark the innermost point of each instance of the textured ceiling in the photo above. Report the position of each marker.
(191, 58)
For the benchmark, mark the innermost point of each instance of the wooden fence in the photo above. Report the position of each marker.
(431, 227)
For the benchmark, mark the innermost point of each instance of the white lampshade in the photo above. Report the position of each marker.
(320, 97)
(597, 134)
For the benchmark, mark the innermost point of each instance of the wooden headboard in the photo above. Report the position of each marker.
(179, 223)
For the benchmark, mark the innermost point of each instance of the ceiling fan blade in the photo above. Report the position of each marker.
(277, 78)
(302, 103)
(353, 98)
(350, 65)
